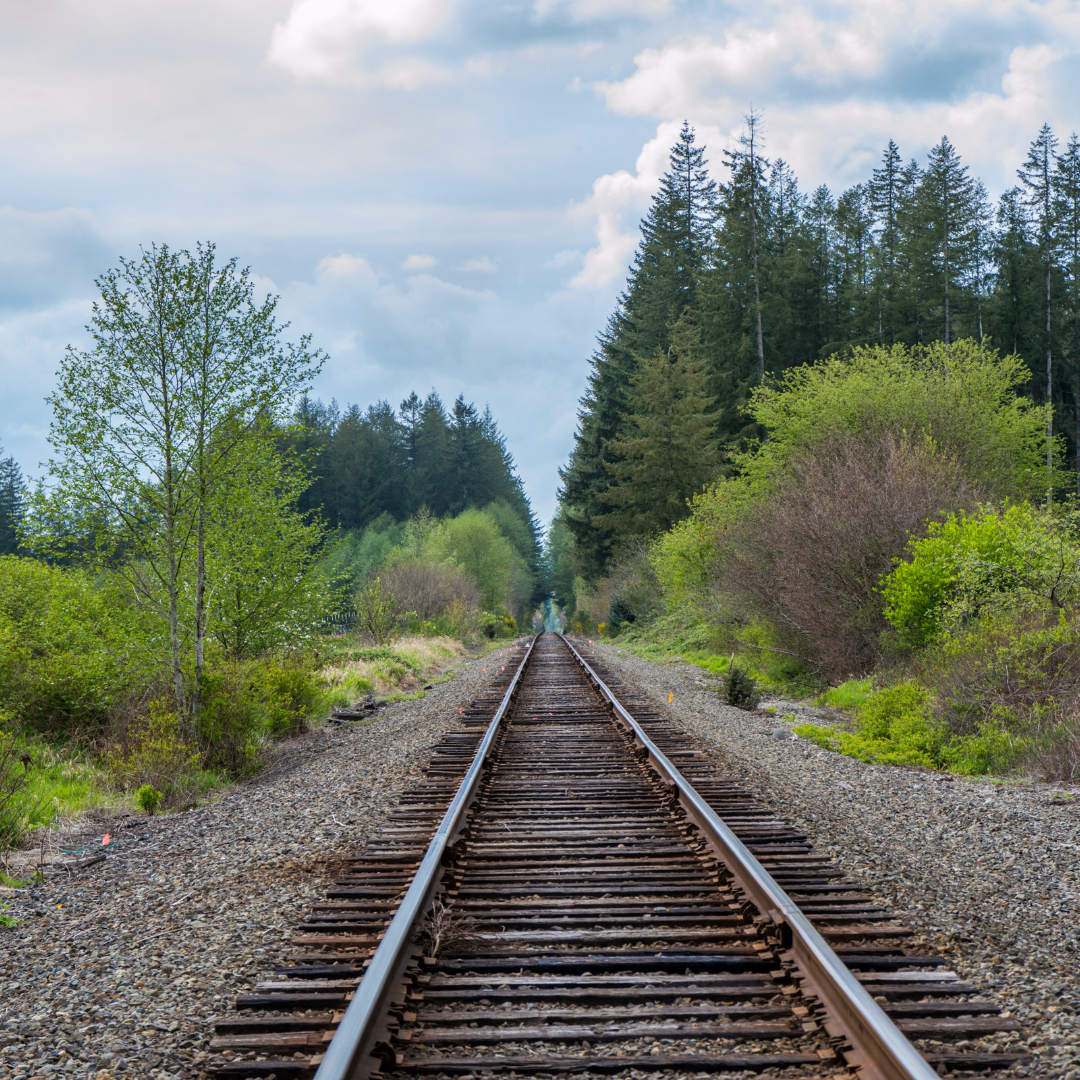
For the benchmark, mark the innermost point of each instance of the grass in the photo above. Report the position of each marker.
(398, 669)
(848, 695)
(674, 639)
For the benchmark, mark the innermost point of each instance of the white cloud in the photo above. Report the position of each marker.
(351, 267)
(588, 10)
(419, 262)
(564, 258)
(482, 264)
(320, 39)
(611, 195)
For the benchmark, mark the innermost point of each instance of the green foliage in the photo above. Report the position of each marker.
(156, 749)
(377, 610)
(161, 439)
(970, 563)
(963, 397)
(148, 799)
(363, 552)
(668, 451)
(259, 556)
(15, 804)
(740, 689)
(558, 563)
(69, 645)
(675, 242)
(897, 725)
(247, 703)
(472, 541)
(850, 694)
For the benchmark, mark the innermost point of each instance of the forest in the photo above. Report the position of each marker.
(829, 447)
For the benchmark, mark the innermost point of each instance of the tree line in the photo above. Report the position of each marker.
(379, 464)
(739, 279)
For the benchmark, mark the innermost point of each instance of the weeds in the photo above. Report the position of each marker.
(444, 931)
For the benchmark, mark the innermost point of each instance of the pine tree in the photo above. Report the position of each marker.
(886, 192)
(1036, 174)
(949, 202)
(12, 504)
(748, 171)
(855, 255)
(1066, 184)
(670, 452)
(661, 287)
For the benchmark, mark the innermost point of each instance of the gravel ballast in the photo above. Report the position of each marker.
(121, 968)
(986, 873)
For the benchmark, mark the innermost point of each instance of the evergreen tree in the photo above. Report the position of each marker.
(12, 504)
(949, 204)
(855, 256)
(661, 287)
(671, 450)
(1066, 183)
(1036, 174)
(434, 464)
(885, 194)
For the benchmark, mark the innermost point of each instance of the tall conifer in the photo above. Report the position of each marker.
(661, 287)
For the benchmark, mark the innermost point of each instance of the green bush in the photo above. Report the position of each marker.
(902, 725)
(155, 749)
(70, 646)
(740, 689)
(148, 799)
(16, 802)
(970, 563)
(291, 696)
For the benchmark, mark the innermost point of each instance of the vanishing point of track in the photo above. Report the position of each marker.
(573, 889)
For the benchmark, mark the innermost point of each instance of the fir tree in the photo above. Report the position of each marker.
(885, 192)
(670, 452)
(1066, 183)
(661, 287)
(949, 201)
(1036, 174)
(12, 504)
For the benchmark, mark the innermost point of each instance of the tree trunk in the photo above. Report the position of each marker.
(200, 608)
(1049, 394)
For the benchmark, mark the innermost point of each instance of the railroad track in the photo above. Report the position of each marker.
(577, 890)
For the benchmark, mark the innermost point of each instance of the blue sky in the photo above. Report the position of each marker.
(446, 194)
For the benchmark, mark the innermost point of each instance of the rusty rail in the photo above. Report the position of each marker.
(349, 1055)
(879, 1049)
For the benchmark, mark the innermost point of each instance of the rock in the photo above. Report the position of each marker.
(780, 734)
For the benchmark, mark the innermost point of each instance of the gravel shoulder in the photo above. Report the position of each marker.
(987, 873)
(120, 969)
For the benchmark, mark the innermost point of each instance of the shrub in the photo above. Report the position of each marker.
(962, 397)
(811, 551)
(970, 563)
(291, 696)
(428, 589)
(15, 797)
(378, 610)
(863, 450)
(148, 798)
(69, 646)
(155, 749)
(740, 688)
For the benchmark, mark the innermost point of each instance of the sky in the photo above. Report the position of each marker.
(446, 193)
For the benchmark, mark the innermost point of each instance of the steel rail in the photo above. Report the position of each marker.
(879, 1050)
(350, 1055)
